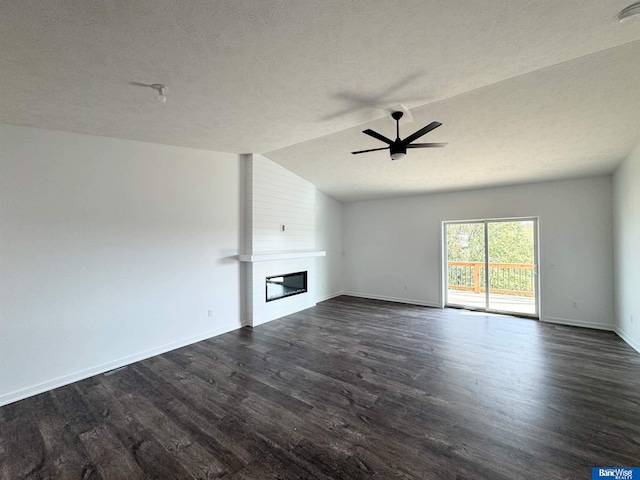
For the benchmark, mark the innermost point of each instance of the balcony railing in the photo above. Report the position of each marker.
(506, 278)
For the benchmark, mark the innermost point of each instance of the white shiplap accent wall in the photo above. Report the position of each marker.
(279, 197)
(276, 197)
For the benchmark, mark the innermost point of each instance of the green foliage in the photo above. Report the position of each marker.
(509, 242)
(465, 242)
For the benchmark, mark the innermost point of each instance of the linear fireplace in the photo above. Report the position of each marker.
(287, 285)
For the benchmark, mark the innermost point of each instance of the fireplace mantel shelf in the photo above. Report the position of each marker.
(265, 257)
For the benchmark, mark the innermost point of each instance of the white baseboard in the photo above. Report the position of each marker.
(627, 338)
(579, 323)
(23, 393)
(330, 296)
(393, 299)
(257, 323)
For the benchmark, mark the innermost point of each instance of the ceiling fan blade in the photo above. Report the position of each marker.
(421, 132)
(426, 145)
(372, 150)
(368, 131)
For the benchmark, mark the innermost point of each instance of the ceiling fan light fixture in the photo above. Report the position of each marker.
(398, 148)
(628, 13)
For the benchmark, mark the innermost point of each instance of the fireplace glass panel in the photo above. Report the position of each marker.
(281, 286)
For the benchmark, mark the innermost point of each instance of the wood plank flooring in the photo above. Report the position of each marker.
(352, 388)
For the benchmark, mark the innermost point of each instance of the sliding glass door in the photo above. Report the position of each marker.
(498, 253)
(466, 252)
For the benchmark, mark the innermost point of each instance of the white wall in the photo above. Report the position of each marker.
(626, 183)
(392, 243)
(110, 251)
(329, 279)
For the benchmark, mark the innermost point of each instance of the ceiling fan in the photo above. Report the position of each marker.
(398, 148)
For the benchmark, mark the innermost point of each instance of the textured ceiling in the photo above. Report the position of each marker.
(575, 119)
(526, 90)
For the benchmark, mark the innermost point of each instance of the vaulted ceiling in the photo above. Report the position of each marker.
(526, 90)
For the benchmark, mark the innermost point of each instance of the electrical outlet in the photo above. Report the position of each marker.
(209, 313)
(574, 304)
(631, 318)
(406, 287)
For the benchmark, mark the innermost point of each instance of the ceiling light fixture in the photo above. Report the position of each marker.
(161, 89)
(629, 12)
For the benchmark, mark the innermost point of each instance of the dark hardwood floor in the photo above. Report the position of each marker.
(352, 388)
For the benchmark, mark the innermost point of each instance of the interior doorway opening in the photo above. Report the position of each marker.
(499, 253)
